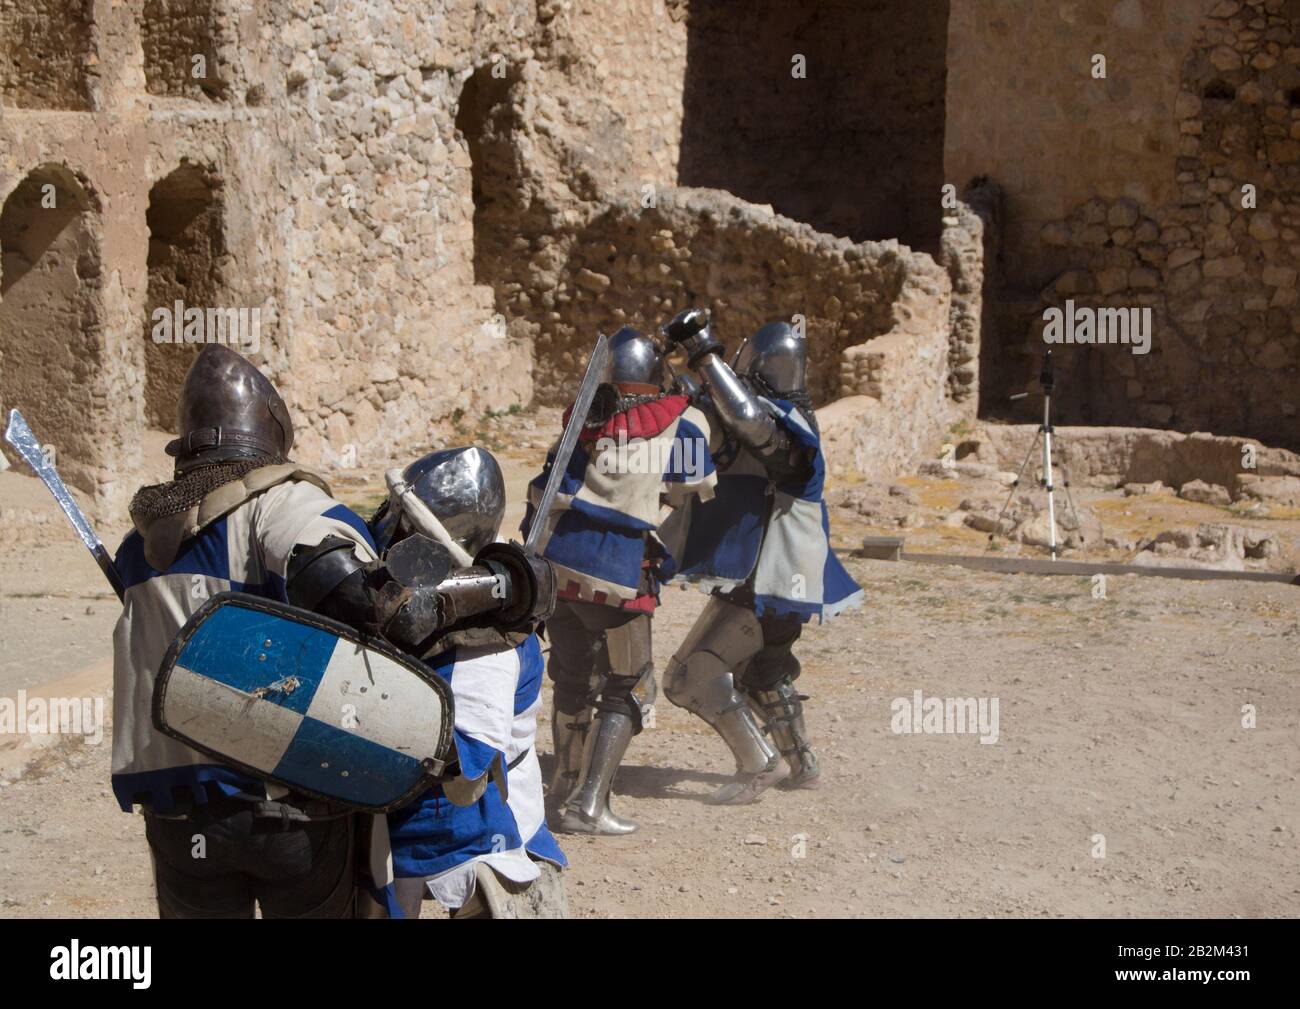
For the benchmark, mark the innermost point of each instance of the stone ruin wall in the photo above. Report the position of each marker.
(315, 174)
(46, 53)
(1128, 192)
(435, 207)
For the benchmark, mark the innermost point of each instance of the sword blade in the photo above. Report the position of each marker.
(596, 368)
(20, 436)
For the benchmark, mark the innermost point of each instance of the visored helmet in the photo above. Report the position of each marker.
(635, 359)
(464, 489)
(775, 356)
(228, 410)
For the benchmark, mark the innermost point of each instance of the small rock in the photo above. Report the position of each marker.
(1205, 493)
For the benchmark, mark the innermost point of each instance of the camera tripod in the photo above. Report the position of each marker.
(1045, 432)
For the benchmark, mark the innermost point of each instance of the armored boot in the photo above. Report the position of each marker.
(587, 810)
(568, 739)
(700, 679)
(782, 709)
(758, 765)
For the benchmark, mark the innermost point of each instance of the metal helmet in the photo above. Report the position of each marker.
(464, 489)
(228, 410)
(775, 356)
(635, 359)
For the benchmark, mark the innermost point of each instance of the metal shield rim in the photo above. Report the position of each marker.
(445, 750)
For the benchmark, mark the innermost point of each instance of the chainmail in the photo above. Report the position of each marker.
(160, 500)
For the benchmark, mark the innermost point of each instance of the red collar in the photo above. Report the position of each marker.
(645, 420)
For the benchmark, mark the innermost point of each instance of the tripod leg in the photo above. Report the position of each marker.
(1069, 494)
(1015, 485)
(1047, 473)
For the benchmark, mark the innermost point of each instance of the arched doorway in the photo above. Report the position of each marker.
(50, 329)
(488, 118)
(185, 245)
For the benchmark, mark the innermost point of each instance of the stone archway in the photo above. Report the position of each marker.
(50, 322)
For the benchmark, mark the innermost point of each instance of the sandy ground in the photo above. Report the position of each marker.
(1119, 717)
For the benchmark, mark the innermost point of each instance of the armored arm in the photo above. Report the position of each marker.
(414, 594)
(511, 588)
(740, 411)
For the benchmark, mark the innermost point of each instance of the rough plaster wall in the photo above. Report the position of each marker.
(971, 236)
(561, 156)
(49, 330)
(613, 73)
(46, 53)
(1024, 109)
(856, 148)
(1168, 232)
(118, 154)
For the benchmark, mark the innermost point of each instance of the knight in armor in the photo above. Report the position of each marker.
(240, 515)
(762, 546)
(642, 453)
(478, 843)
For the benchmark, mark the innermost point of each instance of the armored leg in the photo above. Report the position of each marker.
(578, 665)
(700, 679)
(628, 687)
(782, 708)
(569, 735)
(769, 682)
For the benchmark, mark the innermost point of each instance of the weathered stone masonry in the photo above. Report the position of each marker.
(1129, 191)
(434, 205)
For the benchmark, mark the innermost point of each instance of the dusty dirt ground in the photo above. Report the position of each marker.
(1119, 717)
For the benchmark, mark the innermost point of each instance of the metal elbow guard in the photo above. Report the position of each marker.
(328, 578)
(741, 412)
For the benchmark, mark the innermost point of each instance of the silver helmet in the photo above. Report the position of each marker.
(228, 410)
(776, 356)
(464, 489)
(635, 359)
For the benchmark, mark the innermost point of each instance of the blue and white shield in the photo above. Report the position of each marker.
(304, 701)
